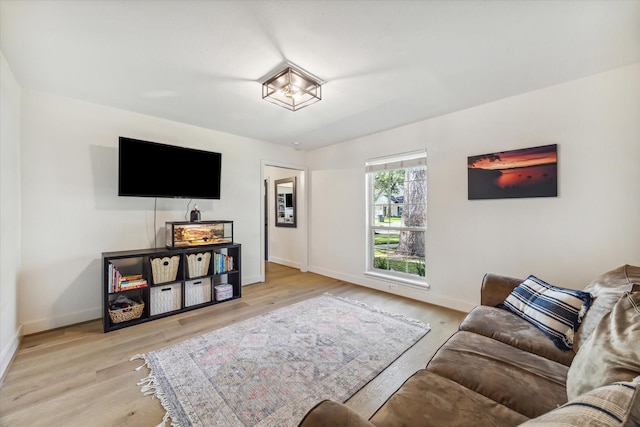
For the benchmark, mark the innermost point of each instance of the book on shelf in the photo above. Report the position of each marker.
(222, 263)
(131, 282)
(131, 277)
(118, 282)
(126, 287)
(114, 278)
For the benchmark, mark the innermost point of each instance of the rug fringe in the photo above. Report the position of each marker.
(382, 311)
(149, 386)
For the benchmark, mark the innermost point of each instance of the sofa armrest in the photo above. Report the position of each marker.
(496, 288)
(333, 414)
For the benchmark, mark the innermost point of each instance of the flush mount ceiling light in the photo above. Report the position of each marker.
(292, 89)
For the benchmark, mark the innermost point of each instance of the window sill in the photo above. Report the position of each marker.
(413, 283)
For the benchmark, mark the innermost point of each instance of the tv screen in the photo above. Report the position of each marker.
(150, 169)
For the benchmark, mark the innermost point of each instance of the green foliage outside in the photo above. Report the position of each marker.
(382, 262)
(387, 239)
(388, 182)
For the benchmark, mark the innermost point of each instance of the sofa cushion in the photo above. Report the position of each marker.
(556, 311)
(329, 413)
(496, 287)
(606, 291)
(612, 352)
(491, 322)
(613, 405)
(502, 373)
(427, 399)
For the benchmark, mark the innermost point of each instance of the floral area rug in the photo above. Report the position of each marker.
(271, 369)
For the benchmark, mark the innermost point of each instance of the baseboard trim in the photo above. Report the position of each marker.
(287, 262)
(9, 353)
(426, 295)
(251, 280)
(84, 316)
(60, 321)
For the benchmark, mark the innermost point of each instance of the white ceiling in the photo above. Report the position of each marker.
(385, 63)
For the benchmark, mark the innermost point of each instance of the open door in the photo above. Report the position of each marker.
(266, 220)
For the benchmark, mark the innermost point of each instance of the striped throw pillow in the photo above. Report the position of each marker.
(556, 311)
(613, 405)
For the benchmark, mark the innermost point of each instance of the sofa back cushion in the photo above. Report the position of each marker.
(606, 291)
(612, 352)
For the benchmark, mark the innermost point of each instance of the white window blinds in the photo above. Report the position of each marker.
(400, 161)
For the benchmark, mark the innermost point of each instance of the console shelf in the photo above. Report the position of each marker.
(178, 280)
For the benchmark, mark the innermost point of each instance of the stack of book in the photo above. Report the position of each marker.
(222, 263)
(119, 283)
(132, 282)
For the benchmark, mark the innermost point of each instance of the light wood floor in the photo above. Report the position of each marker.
(80, 376)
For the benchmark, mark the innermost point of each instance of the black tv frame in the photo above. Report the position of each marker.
(153, 169)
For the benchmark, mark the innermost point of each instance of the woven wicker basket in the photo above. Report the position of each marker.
(165, 269)
(198, 264)
(127, 313)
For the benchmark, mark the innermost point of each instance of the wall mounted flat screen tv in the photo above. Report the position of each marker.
(151, 169)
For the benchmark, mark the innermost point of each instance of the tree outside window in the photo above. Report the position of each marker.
(398, 215)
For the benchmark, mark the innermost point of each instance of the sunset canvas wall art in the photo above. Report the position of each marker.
(528, 172)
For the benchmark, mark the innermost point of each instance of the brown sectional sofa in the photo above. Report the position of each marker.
(501, 370)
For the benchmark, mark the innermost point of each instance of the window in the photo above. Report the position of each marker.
(397, 217)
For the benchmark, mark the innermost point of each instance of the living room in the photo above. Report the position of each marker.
(60, 208)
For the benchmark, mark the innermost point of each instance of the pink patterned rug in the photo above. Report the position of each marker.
(271, 369)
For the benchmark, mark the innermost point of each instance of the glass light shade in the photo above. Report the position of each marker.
(292, 89)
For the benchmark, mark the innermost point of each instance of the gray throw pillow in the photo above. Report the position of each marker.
(606, 291)
(612, 352)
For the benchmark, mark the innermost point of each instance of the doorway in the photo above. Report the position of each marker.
(286, 246)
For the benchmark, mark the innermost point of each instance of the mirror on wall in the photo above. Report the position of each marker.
(285, 202)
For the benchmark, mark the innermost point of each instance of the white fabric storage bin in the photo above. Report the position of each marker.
(197, 291)
(198, 264)
(166, 298)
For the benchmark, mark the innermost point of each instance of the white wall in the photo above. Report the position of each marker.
(590, 228)
(9, 213)
(287, 244)
(71, 212)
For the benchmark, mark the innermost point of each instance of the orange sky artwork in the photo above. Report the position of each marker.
(521, 172)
